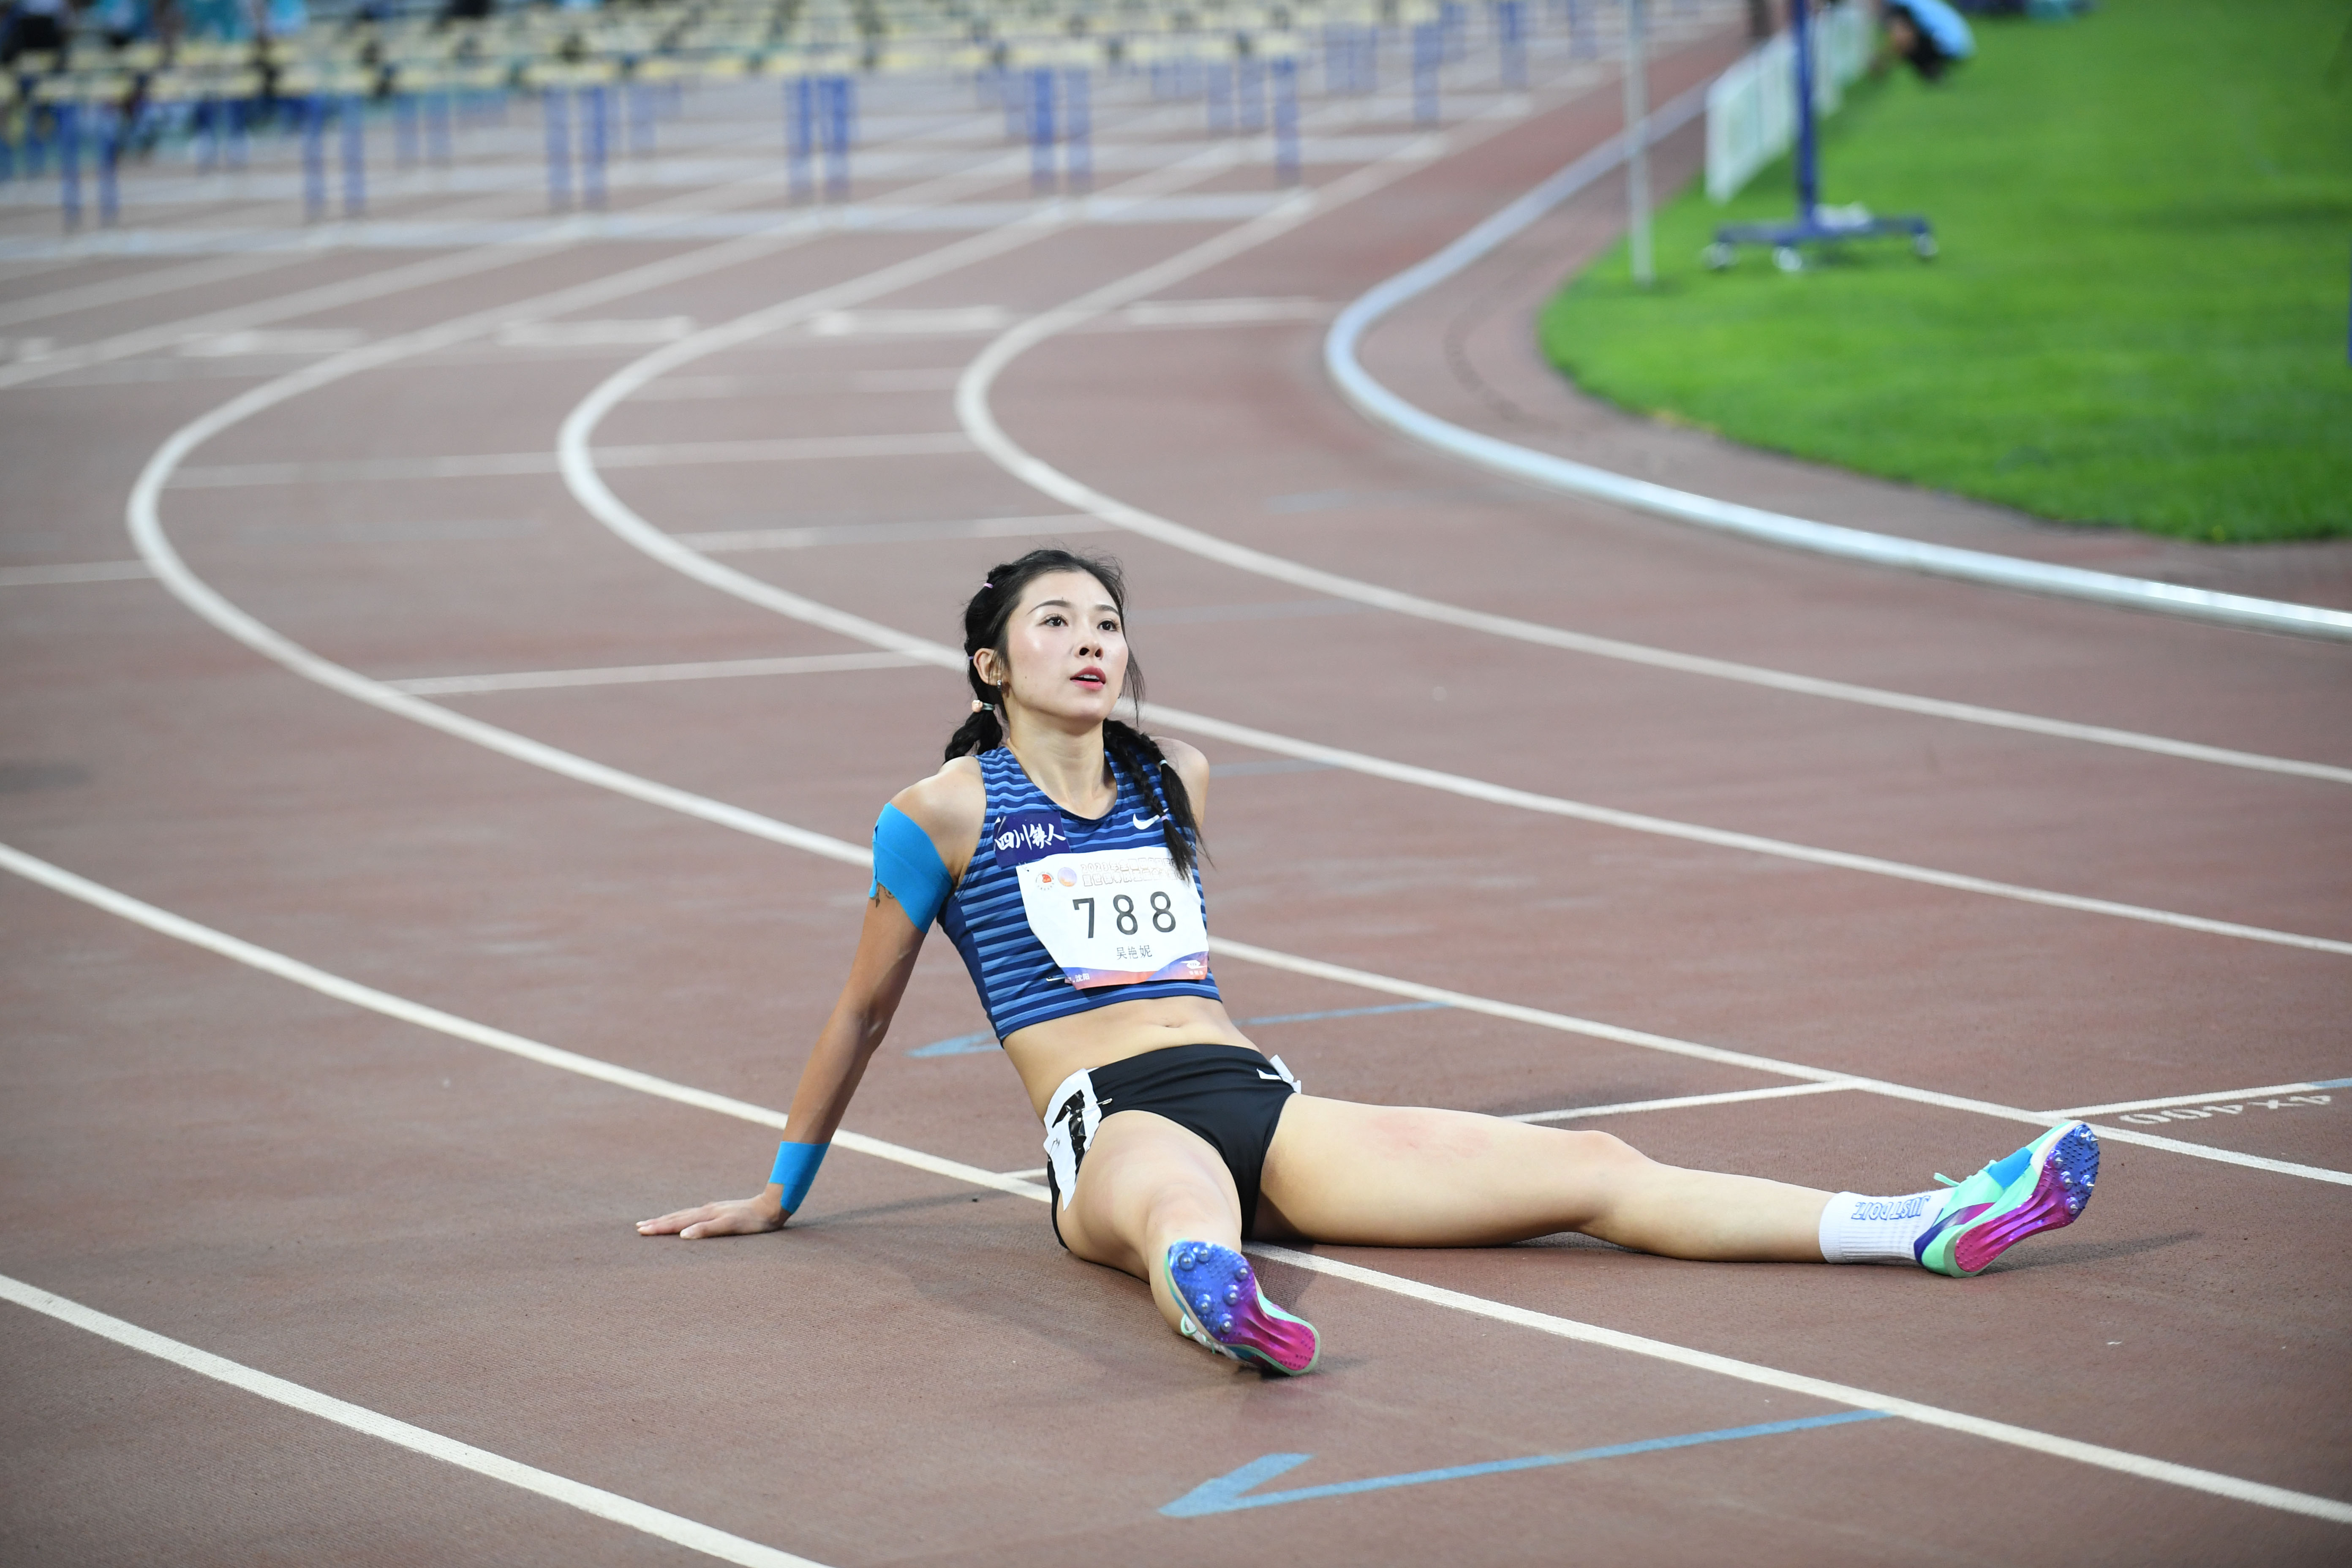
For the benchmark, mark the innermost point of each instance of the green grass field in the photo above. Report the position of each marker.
(2138, 315)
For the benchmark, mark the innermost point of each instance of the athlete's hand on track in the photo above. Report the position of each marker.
(731, 1216)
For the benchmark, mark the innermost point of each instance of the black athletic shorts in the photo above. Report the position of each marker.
(1231, 1096)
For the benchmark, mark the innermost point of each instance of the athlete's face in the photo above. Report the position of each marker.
(1068, 649)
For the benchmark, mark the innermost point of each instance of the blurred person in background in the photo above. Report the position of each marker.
(1928, 34)
(32, 28)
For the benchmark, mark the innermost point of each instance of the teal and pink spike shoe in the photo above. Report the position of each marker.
(2043, 1186)
(1224, 1309)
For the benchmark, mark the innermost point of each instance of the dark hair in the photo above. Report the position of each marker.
(987, 623)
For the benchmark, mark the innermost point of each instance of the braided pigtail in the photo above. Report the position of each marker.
(1139, 756)
(980, 732)
(983, 627)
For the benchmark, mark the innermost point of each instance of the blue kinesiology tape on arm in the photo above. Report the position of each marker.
(797, 1166)
(907, 863)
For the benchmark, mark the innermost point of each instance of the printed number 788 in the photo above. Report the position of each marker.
(1123, 915)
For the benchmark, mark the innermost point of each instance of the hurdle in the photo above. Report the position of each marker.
(1814, 224)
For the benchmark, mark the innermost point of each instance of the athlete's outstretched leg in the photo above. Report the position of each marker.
(1153, 1200)
(1390, 1176)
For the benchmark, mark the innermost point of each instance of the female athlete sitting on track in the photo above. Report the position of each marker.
(1057, 848)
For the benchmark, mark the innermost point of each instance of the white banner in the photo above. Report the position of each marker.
(1751, 109)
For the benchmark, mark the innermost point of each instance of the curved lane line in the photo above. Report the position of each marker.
(979, 422)
(577, 462)
(1382, 406)
(2122, 1460)
(156, 549)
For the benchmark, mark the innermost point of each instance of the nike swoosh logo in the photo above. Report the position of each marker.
(1145, 821)
(1958, 1217)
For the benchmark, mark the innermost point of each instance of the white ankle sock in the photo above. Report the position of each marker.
(1860, 1229)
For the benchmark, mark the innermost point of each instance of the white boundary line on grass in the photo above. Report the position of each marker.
(1382, 406)
(641, 1517)
(166, 923)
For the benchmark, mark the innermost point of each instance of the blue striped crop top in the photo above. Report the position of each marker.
(990, 919)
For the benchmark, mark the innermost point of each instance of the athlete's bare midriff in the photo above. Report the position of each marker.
(1045, 1054)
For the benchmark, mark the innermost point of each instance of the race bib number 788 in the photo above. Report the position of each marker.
(1116, 916)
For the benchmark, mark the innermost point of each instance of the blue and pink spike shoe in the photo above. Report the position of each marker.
(2043, 1186)
(1224, 1309)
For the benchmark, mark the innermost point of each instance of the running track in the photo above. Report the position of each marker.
(352, 1153)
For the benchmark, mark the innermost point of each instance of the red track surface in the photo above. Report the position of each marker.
(439, 1232)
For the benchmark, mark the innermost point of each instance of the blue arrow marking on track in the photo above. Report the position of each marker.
(1227, 1493)
(957, 1045)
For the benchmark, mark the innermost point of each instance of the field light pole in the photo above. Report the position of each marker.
(1637, 144)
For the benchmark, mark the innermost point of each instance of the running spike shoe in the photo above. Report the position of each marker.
(1224, 1309)
(2043, 1186)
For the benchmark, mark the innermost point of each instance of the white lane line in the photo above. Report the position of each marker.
(979, 420)
(1682, 1102)
(1779, 849)
(1376, 402)
(144, 516)
(724, 542)
(641, 1517)
(243, 264)
(73, 572)
(635, 332)
(670, 550)
(1568, 1024)
(359, 470)
(580, 473)
(166, 923)
(304, 302)
(784, 235)
(201, 597)
(669, 454)
(289, 342)
(1218, 312)
(146, 529)
(952, 320)
(808, 384)
(2026, 1438)
(2270, 1089)
(638, 674)
(142, 286)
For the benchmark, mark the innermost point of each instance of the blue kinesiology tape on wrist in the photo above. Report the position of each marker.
(907, 863)
(797, 1166)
